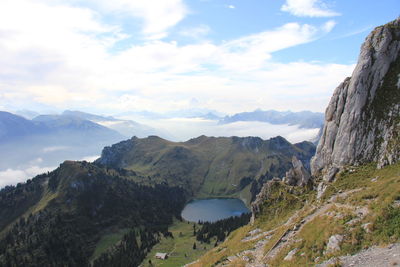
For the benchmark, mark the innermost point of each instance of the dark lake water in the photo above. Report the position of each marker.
(213, 209)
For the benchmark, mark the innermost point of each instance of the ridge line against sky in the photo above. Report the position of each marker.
(226, 55)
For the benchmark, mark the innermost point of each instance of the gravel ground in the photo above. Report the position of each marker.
(372, 257)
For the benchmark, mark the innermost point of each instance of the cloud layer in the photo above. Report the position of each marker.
(184, 129)
(55, 61)
(157, 17)
(14, 176)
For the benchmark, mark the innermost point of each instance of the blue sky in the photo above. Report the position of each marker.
(227, 55)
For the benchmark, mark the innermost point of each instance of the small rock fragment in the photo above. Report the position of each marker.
(290, 255)
(367, 227)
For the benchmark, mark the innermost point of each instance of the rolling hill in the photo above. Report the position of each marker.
(208, 166)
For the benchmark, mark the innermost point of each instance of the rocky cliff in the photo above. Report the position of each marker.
(362, 120)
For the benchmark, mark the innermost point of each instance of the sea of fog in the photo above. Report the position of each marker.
(183, 129)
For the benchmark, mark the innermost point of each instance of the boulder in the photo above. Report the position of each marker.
(334, 244)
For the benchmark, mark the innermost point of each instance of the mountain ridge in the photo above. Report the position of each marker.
(48, 140)
(204, 162)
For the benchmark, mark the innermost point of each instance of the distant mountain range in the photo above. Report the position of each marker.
(16, 128)
(305, 119)
(50, 139)
(128, 128)
(203, 113)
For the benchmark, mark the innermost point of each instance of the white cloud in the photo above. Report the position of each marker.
(328, 26)
(90, 158)
(196, 32)
(54, 148)
(231, 7)
(14, 176)
(158, 16)
(36, 161)
(355, 32)
(251, 52)
(34, 25)
(278, 86)
(308, 8)
(49, 59)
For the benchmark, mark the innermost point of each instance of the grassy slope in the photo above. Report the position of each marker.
(209, 166)
(354, 189)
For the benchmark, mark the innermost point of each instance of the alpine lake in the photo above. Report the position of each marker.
(213, 209)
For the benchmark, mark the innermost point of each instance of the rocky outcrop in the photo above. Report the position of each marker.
(262, 196)
(297, 175)
(362, 120)
(113, 155)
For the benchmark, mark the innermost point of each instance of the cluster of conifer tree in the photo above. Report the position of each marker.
(66, 230)
(129, 252)
(14, 200)
(222, 228)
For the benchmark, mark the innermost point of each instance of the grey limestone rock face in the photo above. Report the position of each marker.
(112, 155)
(261, 197)
(297, 175)
(362, 120)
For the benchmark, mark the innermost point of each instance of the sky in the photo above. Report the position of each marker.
(231, 56)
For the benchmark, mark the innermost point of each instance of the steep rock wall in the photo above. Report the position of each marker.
(362, 120)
